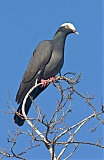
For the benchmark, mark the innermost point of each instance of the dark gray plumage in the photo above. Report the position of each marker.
(46, 62)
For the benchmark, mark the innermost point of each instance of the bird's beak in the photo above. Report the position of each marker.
(76, 32)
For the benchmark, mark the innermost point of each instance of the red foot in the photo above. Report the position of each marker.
(44, 82)
(54, 79)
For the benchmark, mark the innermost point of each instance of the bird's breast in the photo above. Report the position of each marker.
(54, 66)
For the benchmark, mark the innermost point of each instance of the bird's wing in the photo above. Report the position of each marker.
(38, 61)
(35, 69)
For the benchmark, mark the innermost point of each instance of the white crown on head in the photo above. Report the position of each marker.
(71, 26)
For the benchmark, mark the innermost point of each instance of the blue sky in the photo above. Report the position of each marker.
(23, 24)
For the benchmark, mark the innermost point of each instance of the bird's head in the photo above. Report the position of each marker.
(68, 27)
(65, 29)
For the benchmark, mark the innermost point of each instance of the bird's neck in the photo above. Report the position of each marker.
(59, 39)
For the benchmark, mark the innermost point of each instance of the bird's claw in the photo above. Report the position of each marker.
(53, 79)
(44, 82)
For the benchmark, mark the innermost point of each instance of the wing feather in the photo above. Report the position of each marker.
(40, 58)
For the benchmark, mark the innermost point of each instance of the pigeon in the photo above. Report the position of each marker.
(46, 62)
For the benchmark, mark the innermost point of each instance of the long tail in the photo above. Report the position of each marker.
(17, 119)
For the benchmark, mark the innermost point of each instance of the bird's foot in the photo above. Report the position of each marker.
(44, 82)
(53, 79)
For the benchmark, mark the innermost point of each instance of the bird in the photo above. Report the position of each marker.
(46, 62)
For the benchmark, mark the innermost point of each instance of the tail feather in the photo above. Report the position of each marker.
(19, 119)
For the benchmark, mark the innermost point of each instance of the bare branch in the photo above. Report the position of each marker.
(56, 128)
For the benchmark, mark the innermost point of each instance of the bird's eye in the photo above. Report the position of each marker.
(67, 27)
